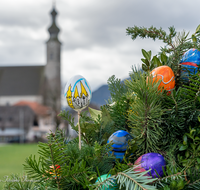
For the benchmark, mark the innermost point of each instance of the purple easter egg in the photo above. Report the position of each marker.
(153, 161)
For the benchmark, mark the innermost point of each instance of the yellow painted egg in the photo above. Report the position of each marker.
(78, 93)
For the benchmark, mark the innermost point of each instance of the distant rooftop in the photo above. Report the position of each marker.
(21, 80)
(37, 108)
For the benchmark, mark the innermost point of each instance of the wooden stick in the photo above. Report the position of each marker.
(79, 130)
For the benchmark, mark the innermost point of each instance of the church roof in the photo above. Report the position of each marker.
(21, 80)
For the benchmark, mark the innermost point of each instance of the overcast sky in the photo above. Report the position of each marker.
(93, 33)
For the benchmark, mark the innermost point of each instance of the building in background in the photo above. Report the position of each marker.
(34, 85)
(25, 121)
(15, 122)
(42, 122)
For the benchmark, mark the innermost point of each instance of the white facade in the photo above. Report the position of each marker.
(45, 125)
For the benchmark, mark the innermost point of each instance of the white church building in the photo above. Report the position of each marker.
(36, 87)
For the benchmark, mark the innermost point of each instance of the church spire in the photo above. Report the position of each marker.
(52, 91)
(53, 29)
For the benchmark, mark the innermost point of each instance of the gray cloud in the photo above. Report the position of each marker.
(105, 24)
(93, 33)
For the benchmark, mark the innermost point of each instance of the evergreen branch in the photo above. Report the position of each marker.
(194, 185)
(35, 169)
(145, 112)
(15, 182)
(153, 33)
(127, 176)
(107, 182)
(68, 117)
(170, 176)
(54, 165)
(175, 102)
(130, 179)
(133, 179)
(116, 87)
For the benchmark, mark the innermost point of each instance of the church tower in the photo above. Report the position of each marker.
(52, 89)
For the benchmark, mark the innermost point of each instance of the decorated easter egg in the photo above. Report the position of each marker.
(153, 161)
(166, 75)
(118, 155)
(120, 140)
(113, 185)
(78, 93)
(190, 61)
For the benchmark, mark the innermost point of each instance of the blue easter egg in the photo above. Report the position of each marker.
(190, 62)
(118, 155)
(120, 140)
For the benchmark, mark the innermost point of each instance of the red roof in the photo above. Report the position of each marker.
(36, 107)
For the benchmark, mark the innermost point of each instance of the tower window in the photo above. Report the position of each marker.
(51, 55)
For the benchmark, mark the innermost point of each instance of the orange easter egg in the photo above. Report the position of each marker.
(166, 75)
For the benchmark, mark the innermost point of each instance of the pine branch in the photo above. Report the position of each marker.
(35, 169)
(145, 112)
(68, 117)
(134, 181)
(171, 177)
(54, 164)
(130, 179)
(116, 87)
(195, 185)
(153, 33)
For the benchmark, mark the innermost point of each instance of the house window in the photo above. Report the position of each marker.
(35, 122)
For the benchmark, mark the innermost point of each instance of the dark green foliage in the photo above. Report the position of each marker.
(195, 184)
(190, 148)
(170, 154)
(95, 156)
(65, 166)
(172, 181)
(162, 122)
(181, 107)
(120, 102)
(16, 182)
(176, 44)
(120, 167)
(97, 130)
(93, 130)
(175, 118)
(145, 112)
(149, 64)
(129, 179)
(117, 88)
(151, 32)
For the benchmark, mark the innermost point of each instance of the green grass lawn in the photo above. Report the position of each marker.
(12, 158)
